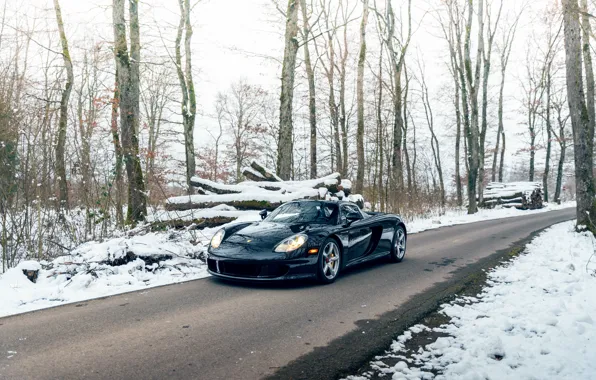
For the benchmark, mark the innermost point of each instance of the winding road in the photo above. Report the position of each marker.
(209, 329)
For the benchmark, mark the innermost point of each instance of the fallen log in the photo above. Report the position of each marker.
(213, 187)
(267, 174)
(252, 175)
(195, 224)
(239, 205)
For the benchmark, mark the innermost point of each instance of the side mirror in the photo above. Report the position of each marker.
(352, 217)
(263, 214)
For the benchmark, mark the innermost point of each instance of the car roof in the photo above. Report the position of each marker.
(321, 201)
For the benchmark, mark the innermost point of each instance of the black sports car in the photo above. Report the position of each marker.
(305, 239)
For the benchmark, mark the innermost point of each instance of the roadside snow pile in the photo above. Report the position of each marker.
(100, 269)
(118, 265)
(535, 320)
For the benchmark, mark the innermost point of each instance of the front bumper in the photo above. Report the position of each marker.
(262, 270)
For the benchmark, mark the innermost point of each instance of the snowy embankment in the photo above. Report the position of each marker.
(149, 259)
(535, 319)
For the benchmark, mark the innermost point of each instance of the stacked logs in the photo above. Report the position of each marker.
(521, 195)
(263, 190)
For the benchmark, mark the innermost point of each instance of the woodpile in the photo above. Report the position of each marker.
(264, 190)
(521, 195)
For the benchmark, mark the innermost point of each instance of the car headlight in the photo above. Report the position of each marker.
(292, 243)
(217, 238)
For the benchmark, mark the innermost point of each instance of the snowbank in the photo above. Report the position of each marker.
(100, 269)
(536, 319)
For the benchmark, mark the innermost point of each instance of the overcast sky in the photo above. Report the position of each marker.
(236, 39)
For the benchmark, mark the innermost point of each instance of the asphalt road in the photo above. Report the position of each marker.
(208, 329)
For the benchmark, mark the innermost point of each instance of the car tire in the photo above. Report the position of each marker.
(329, 262)
(398, 245)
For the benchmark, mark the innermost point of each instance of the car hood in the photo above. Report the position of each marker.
(264, 235)
(257, 240)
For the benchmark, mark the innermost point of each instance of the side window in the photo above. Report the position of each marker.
(349, 209)
(344, 212)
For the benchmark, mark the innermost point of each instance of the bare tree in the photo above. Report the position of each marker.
(312, 100)
(505, 51)
(360, 100)
(561, 136)
(63, 123)
(329, 69)
(342, 71)
(129, 90)
(285, 148)
(583, 132)
(486, 59)
(434, 141)
(189, 101)
(588, 71)
(473, 79)
(155, 96)
(118, 151)
(534, 91)
(240, 110)
(553, 40)
(452, 35)
(397, 58)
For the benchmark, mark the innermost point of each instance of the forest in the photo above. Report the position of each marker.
(106, 109)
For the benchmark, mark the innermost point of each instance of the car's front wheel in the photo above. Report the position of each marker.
(329, 261)
(398, 249)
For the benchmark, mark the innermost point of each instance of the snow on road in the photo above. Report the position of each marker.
(85, 273)
(535, 319)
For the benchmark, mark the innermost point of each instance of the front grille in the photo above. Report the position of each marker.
(211, 265)
(239, 270)
(235, 269)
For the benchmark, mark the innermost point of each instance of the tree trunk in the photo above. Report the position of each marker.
(473, 79)
(118, 177)
(128, 84)
(285, 147)
(486, 58)
(458, 122)
(188, 103)
(343, 120)
(380, 132)
(589, 72)
(548, 134)
(397, 63)
(500, 127)
(360, 100)
(563, 147)
(312, 101)
(85, 145)
(502, 160)
(580, 117)
(63, 122)
(333, 109)
(434, 142)
(405, 138)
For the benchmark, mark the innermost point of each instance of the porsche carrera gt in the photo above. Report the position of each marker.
(305, 239)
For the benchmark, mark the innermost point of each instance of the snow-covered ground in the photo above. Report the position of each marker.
(161, 258)
(535, 319)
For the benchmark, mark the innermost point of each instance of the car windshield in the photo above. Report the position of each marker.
(305, 212)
